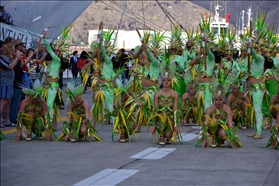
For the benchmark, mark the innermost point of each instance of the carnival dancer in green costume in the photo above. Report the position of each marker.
(145, 75)
(52, 74)
(274, 130)
(239, 104)
(257, 88)
(256, 80)
(165, 108)
(243, 61)
(189, 52)
(206, 69)
(189, 103)
(270, 84)
(33, 113)
(193, 54)
(77, 126)
(178, 56)
(103, 80)
(218, 123)
(124, 109)
(271, 66)
(205, 82)
(230, 67)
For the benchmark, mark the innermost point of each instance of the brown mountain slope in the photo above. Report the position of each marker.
(109, 12)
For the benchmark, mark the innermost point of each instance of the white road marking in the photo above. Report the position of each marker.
(196, 127)
(153, 153)
(107, 177)
(188, 136)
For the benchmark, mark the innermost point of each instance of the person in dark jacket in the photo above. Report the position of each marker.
(73, 65)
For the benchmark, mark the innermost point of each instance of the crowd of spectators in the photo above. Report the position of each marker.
(20, 67)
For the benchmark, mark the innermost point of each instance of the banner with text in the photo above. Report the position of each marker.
(30, 38)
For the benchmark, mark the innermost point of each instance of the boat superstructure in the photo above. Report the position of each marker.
(219, 24)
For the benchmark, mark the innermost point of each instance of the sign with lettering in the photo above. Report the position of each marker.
(30, 38)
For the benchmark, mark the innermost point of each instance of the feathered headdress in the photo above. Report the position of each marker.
(37, 89)
(261, 29)
(222, 41)
(175, 39)
(73, 92)
(167, 68)
(94, 46)
(211, 38)
(236, 81)
(229, 49)
(156, 41)
(60, 44)
(107, 41)
(190, 82)
(190, 37)
(220, 84)
(271, 41)
(231, 36)
(205, 23)
(218, 91)
(244, 38)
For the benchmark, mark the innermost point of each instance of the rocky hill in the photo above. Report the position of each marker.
(149, 14)
(109, 12)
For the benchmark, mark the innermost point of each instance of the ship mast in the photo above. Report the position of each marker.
(242, 20)
(249, 13)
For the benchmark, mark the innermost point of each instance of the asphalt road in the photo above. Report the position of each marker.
(139, 162)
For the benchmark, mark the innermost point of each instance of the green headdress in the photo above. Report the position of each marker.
(175, 39)
(231, 35)
(229, 49)
(37, 89)
(244, 40)
(236, 81)
(107, 41)
(272, 40)
(146, 37)
(156, 41)
(218, 91)
(73, 92)
(205, 23)
(60, 44)
(190, 37)
(94, 46)
(220, 84)
(198, 34)
(167, 68)
(261, 29)
(221, 43)
(205, 26)
(190, 82)
(196, 47)
(211, 37)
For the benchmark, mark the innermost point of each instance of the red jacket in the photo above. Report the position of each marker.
(81, 63)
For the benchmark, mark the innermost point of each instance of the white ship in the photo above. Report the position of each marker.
(219, 24)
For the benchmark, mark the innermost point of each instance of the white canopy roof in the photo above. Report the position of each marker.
(35, 16)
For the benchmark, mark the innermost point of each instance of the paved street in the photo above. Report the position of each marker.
(141, 162)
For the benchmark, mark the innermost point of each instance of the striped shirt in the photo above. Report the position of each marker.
(6, 75)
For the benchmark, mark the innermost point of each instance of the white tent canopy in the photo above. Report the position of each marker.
(35, 16)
